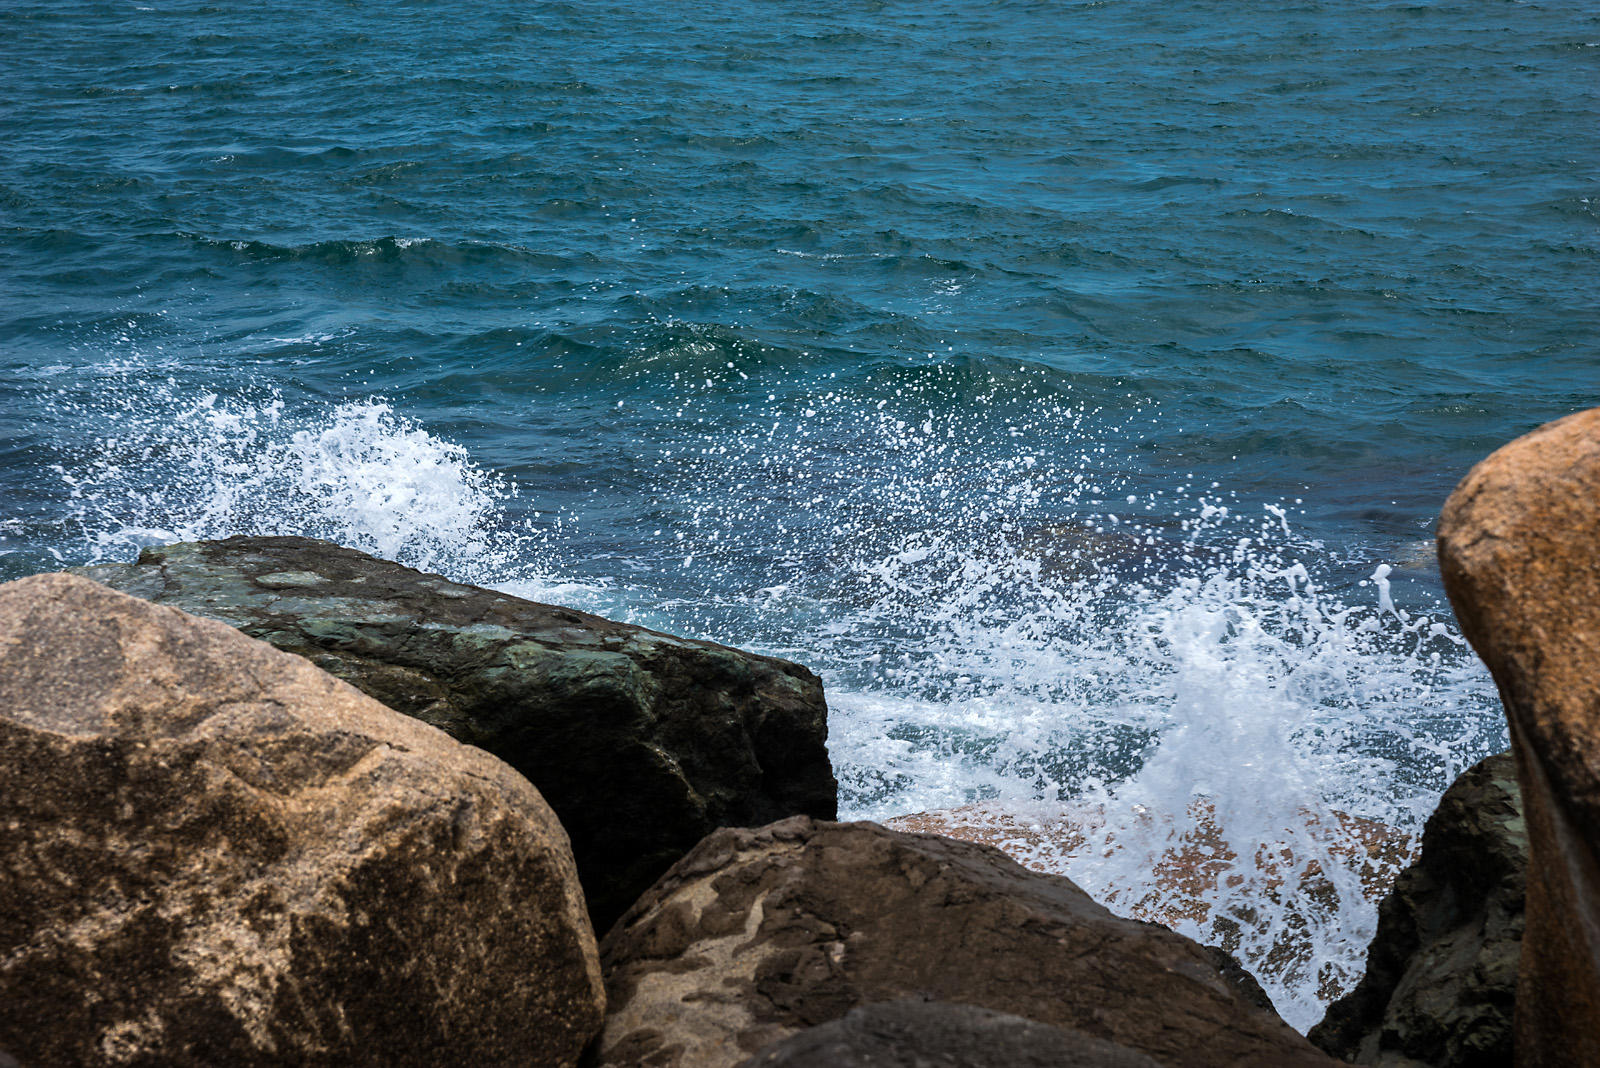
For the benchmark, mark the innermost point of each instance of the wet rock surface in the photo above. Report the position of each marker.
(1440, 986)
(213, 853)
(1197, 857)
(758, 934)
(912, 1033)
(1519, 549)
(643, 743)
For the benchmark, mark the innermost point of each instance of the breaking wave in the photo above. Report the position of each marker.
(1201, 715)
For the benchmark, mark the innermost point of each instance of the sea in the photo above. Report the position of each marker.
(1073, 385)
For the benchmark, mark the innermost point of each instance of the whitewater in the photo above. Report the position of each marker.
(1186, 672)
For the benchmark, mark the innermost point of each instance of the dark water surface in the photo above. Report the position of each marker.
(1054, 377)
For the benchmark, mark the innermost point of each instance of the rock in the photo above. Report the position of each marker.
(758, 934)
(912, 1033)
(1077, 551)
(1519, 548)
(1193, 854)
(1441, 975)
(642, 743)
(1196, 856)
(213, 853)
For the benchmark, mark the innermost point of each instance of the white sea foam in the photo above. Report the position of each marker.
(1130, 672)
(1133, 674)
(178, 467)
(1236, 706)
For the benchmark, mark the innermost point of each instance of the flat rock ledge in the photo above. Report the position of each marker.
(759, 934)
(212, 853)
(643, 743)
(1441, 981)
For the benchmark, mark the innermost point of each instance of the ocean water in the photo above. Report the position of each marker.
(1073, 385)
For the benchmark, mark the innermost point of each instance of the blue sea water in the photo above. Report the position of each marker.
(1073, 384)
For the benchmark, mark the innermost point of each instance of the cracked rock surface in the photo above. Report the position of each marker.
(213, 853)
(759, 934)
(643, 743)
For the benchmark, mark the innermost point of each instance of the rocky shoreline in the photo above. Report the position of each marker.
(643, 743)
(271, 800)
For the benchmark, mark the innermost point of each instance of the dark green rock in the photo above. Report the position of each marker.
(642, 743)
(1441, 974)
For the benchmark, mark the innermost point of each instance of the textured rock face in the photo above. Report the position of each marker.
(641, 742)
(1519, 547)
(1441, 976)
(213, 853)
(912, 1033)
(757, 934)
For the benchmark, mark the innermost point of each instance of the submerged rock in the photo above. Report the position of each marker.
(913, 1033)
(1519, 548)
(642, 743)
(1191, 856)
(213, 853)
(758, 934)
(1078, 550)
(1441, 976)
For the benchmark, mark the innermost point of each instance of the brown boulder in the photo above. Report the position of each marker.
(758, 934)
(213, 853)
(1519, 547)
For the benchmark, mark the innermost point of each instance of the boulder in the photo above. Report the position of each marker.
(1441, 978)
(758, 934)
(1519, 548)
(642, 743)
(913, 1033)
(213, 853)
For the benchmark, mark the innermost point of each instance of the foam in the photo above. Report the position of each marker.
(176, 466)
(1237, 703)
(992, 631)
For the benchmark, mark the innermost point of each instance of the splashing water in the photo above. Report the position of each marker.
(1162, 694)
(1241, 757)
(356, 473)
(1303, 743)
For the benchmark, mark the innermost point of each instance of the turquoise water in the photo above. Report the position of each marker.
(1074, 385)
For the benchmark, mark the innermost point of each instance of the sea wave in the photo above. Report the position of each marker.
(998, 623)
(174, 466)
